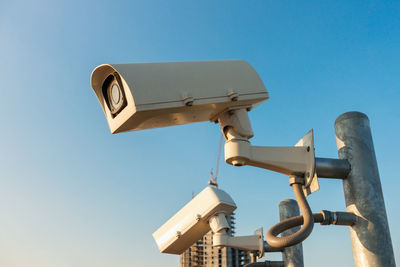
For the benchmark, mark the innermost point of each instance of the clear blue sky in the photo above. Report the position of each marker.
(72, 194)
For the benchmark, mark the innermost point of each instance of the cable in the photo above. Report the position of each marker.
(281, 242)
(324, 217)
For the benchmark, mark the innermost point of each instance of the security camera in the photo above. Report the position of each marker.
(191, 223)
(207, 211)
(149, 95)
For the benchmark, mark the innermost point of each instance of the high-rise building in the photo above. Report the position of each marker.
(203, 254)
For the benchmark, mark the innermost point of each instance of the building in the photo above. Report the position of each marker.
(203, 254)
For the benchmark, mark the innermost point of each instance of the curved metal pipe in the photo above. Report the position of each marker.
(281, 242)
(324, 217)
(296, 221)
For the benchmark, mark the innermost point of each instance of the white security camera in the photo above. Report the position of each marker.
(149, 95)
(207, 211)
(191, 223)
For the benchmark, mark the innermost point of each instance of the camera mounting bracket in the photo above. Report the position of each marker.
(221, 238)
(298, 160)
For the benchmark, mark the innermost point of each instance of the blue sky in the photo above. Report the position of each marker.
(72, 194)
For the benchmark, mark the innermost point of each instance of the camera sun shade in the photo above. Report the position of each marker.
(149, 95)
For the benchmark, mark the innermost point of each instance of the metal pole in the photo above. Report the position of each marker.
(292, 256)
(370, 236)
(332, 168)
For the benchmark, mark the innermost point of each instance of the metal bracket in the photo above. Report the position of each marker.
(311, 179)
(298, 160)
(259, 232)
(250, 243)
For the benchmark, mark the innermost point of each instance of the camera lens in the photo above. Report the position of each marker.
(115, 95)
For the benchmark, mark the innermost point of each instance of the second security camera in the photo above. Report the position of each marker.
(192, 222)
(150, 95)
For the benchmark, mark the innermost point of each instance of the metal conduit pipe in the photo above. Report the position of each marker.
(268, 248)
(293, 239)
(324, 217)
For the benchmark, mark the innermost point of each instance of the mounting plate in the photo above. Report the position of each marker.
(311, 179)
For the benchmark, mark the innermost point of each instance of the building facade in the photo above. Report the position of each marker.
(203, 254)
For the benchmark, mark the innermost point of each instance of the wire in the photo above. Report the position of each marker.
(295, 238)
(214, 177)
(219, 157)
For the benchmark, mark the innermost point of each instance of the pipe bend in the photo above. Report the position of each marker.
(324, 217)
(308, 224)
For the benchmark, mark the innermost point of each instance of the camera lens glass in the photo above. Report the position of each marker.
(114, 94)
(116, 97)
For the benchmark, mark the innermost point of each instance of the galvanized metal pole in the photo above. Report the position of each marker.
(292, 256)
(370, 236)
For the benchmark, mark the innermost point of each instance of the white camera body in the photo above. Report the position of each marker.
(149, 95)
(191, 223)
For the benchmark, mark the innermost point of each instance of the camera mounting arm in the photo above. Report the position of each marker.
(221, 238)
(298, 160)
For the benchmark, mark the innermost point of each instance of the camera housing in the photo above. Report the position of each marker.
(192, 222)
(140, 96)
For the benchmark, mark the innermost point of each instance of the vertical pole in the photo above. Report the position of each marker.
(370, 236)
(292, 256)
